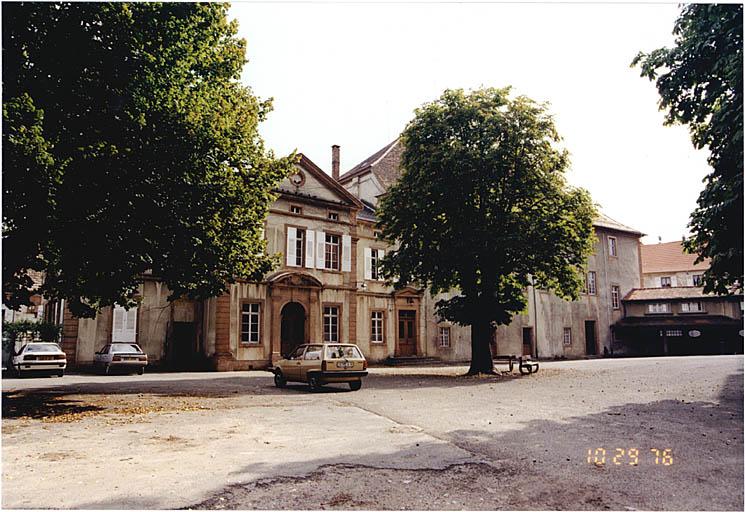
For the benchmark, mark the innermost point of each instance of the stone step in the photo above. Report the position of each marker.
(412, 361)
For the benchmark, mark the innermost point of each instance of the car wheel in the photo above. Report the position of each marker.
(279, 380)
(141, 371)
(61, 374)
(106, 369)
(355, 385)
(314, 382)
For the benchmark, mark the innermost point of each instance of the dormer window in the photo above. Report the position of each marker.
(296, 210)
(333, 216)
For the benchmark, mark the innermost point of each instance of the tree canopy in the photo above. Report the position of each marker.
(700, 84)
(482, 207)
(130, 147)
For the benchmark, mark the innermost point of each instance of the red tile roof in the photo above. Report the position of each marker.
(669, 257)
(677, 292)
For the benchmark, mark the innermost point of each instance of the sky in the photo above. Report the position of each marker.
(352, 74)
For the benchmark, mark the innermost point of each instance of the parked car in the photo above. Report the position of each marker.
(40, 356)
(322, 363)
(120, 356)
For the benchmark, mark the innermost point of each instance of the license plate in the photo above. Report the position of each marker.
(344, 364)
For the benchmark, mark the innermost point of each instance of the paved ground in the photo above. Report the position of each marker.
(422, 438)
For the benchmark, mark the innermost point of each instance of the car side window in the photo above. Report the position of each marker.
(298, 353)
(313, 354)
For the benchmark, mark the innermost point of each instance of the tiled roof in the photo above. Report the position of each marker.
(369, 162)
(669, 257)
(367, 213)
(672, 293)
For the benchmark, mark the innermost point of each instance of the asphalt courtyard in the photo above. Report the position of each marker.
(622, 434)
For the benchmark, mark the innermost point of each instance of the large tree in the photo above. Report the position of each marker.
(482, 207)
(700, 84)
(130, 146)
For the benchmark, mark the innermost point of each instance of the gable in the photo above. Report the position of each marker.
(310, 182)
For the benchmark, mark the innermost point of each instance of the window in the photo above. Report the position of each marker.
(332, 252)
(567, 335)
(377, 235)
(615, 296)
(666, 282)
(331, 324)
(698, 279)
(658, 307)
(612, 246)
(250, 322)
(590, 284)
(296, 209)
(313, 353)
(333, 216)
(691, 307)
(376, 327)
(445, 337)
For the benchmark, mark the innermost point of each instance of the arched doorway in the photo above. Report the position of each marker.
(293, 327)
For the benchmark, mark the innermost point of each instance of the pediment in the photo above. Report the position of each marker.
(295, 279)
(310, 182)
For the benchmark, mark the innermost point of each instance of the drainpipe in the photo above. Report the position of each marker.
(535, 317)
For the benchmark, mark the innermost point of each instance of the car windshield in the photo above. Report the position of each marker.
(342, 351)
(126, 348)
(42, 347)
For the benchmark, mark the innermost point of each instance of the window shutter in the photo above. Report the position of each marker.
(381, 255)
(291, 249)
(346, 253)
(130, 326)
(320, 249)
(368, 263)
(673, 281)
(117, 328)
(309, 245)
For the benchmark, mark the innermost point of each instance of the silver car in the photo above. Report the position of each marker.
(39, 356)
(124, 356)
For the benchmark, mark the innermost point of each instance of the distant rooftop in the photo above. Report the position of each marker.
(677, 292)
(669, 257)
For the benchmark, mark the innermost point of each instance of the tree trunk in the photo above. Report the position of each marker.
(481, 356)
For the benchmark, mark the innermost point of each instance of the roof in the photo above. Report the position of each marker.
(677, 321)
(387, 174)
(669, 257)
(385, 165)
(367, 213)
(603, 221)
(672, 293)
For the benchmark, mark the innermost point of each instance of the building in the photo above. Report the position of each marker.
(666, 265)
(671, 314)
(328, 288)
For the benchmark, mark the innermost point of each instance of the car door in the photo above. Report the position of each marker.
(311, 361)
(101, 356)
(291, 365)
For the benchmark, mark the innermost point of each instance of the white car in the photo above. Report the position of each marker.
(125, 356)
(39, 356)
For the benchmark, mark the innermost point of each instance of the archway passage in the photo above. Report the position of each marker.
(293, 327)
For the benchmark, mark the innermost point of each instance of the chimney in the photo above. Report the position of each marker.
(335, 162)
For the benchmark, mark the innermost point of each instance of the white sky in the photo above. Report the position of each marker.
(352, 74)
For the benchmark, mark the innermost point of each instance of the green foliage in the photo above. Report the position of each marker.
(26, 331)
(127, 133)
(482, 205)
(700, 84)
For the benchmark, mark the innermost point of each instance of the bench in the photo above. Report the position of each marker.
(525, 364)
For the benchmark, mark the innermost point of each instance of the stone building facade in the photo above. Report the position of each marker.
(328, 288)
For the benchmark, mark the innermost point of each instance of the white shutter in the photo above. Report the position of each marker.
(368, 263)
(117, 328)
(124, 327)
(291, 249)
(320, 249)
(381, 254)
(346, 253)
(309, 246)
(674, 281)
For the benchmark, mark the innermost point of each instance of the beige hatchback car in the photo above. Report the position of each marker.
(322, 363)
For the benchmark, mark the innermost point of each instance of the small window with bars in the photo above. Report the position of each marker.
(567, 335)
(376, 327)
(666, 282)
(692, 307)
(658, 307)
(331, 324)
(250, 316)
(333, 216)
(296, 210)
(615, 296)
(444, 337)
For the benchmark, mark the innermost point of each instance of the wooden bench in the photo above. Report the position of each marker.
(525, 364)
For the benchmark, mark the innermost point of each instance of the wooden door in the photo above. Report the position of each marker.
(527, 341)
(590, 340)
(406, 332)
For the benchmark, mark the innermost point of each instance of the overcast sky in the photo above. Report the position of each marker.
(352, 74)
